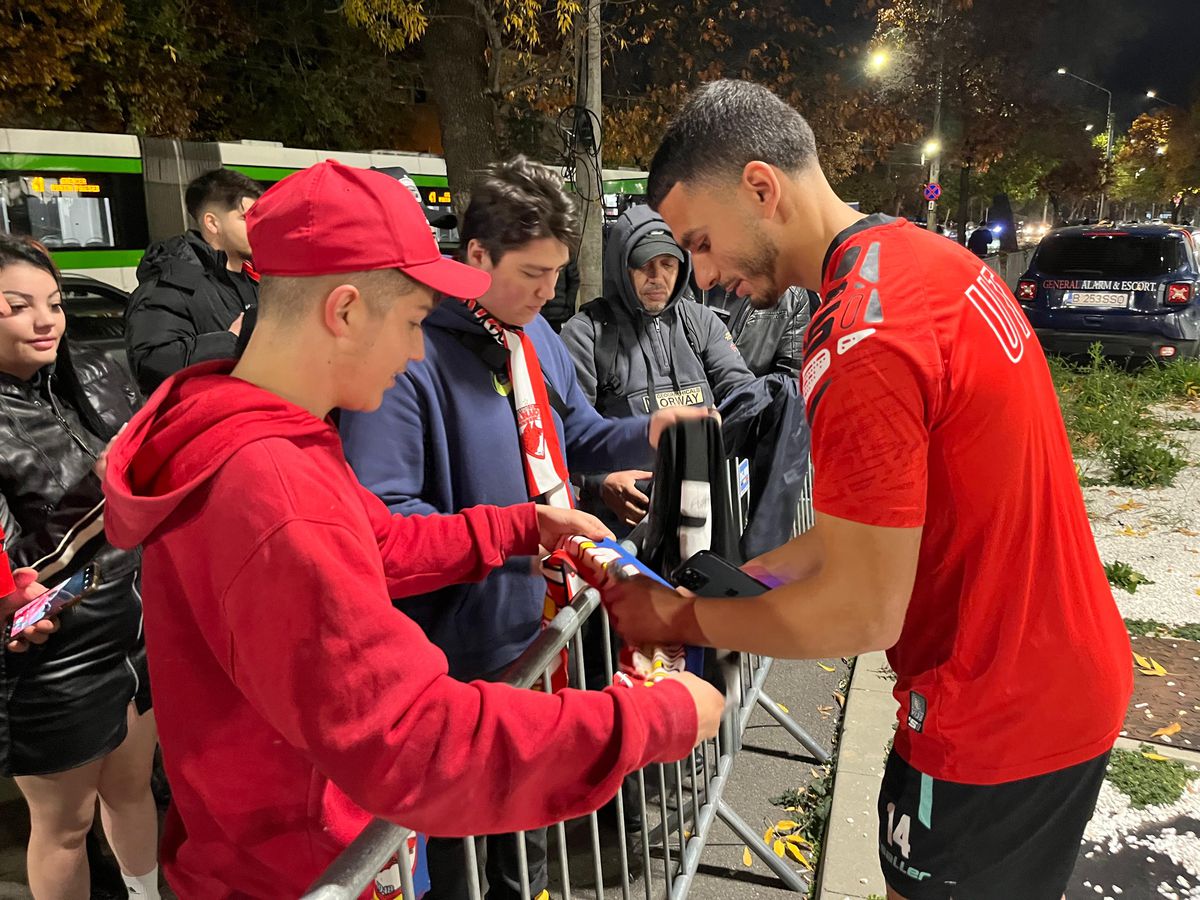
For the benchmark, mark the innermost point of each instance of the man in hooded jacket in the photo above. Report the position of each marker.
(646, 345)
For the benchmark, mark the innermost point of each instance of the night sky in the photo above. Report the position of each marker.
(1128, 46)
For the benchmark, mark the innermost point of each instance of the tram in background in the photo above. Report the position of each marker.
(98, 200)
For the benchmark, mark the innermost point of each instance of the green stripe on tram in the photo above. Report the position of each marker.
(263, 173)
(56, 163)
(96, 259)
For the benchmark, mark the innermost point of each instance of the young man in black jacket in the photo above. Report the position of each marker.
(194, 289)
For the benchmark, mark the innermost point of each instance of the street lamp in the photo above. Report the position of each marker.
(1089, 127)
(878, 60)
(932, 147)
(1153, 95)
(1108, 147)
(1162, 150)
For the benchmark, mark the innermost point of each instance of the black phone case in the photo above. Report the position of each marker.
(707, 574)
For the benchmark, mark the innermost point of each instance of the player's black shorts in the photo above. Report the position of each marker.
(940, 839)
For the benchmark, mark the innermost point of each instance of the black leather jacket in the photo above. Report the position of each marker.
(771, 340)
(52, 428)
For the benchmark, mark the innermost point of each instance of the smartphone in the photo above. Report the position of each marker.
(54, 600)
(708, 575)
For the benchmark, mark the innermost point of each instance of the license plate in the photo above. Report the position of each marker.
(1096, 299)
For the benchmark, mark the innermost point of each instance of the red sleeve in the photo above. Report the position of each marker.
(6, 579)
(425, 553)
(356, 686)
(869, 389)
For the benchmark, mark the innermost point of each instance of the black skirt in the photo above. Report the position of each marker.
(66, 701)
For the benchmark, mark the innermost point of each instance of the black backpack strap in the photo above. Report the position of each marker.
(604, 348)
(495, 358)
(690, 328)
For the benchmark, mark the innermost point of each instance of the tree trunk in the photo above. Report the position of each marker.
(457, 79)
(964, 200)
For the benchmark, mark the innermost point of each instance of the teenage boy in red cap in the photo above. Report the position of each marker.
(294, 700)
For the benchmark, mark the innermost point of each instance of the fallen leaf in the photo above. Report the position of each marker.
(841, 698)
(1157, 757)
(782, 708)
(824, 710)
(785, 825)
(1149, 666)
(779, 848)
(798, 841)
(747, 859)
(1188, 532)
(827, 668)
(795, 851)
(1168, 730)
(1130, 504)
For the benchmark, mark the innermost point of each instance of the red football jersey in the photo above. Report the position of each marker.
(932, 405)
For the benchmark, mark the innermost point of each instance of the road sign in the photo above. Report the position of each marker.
(933, 191)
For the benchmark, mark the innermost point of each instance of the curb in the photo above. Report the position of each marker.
(1179, 754)
(850, 853)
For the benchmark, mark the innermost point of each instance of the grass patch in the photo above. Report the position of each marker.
(809, 806)
(1148, 782)
(1123, 575)
(1106, 410)
(1151, 628)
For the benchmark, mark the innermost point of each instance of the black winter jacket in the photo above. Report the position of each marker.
(180, 314)
(52, 429)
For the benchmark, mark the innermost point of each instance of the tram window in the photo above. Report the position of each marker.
(74, 211)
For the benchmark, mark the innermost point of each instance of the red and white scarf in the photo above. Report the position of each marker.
(546, 473)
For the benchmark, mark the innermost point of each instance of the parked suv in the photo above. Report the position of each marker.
(1132, 288)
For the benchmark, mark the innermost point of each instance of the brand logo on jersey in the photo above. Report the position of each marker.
(813, 370)
(916, 711)
(846, 341)
(992, 300)
(529, 424)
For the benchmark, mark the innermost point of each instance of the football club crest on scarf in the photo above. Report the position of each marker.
(533, 437)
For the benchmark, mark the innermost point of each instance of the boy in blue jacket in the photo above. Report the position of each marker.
(492, 416)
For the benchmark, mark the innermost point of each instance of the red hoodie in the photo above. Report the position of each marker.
(293, 701)
(6, 579)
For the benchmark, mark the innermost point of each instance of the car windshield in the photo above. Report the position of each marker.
(1110, 255)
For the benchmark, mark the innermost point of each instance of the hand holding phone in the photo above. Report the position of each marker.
(707, 574)
(50, 603)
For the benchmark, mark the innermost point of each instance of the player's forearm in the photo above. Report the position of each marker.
(797, 560)
(810, 619)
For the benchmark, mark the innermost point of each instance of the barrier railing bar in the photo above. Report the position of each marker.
(474, 888)
(523, 866)
(362, 860)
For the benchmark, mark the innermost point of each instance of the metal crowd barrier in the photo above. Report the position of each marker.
(676, 804)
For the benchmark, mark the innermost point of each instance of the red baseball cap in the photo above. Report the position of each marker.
(331, 218)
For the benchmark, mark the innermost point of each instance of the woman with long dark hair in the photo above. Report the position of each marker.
(75, 718)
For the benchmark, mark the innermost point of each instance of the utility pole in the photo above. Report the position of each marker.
(935, 142)
(589, 177)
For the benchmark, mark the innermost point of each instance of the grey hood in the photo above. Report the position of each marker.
(627, 230)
